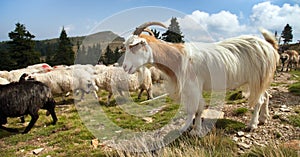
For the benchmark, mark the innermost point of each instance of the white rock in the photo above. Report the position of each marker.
(240, 133)
(244, 145)
(37, 151)
(235, 139)
(212, 114)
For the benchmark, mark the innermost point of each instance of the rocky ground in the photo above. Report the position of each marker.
(277, 130)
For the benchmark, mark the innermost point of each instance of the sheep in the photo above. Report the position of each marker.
(157, 75)
(197, 67)
(25, 97)
(14, 75)
(291, 57)
(114, 78)
(63, 81)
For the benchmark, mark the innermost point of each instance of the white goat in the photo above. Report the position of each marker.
(194, 67)
(290, 58)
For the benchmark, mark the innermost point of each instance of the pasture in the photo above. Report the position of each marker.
(70, 136)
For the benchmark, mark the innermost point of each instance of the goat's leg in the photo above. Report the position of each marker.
(254, 121)
(140, 94)
(190, 100)
(198, 120)
(264, 111)
(149, 93)
(34, 118)
(109, 96)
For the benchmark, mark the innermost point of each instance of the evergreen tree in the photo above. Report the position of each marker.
(156, 33)
(287, 34)
(110, 58)
(64, 54)
(21, 47)
(173, 34)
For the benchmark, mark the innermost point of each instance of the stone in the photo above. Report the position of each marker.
(235, 139)
(212, 114)
(240, 133)
(37, 151)
(243, 145)
(148, 119)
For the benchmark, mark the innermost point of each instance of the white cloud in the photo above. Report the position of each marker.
(274, 17)
(225, 24)
(218, 26)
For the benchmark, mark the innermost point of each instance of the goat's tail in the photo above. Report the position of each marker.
(270, 38)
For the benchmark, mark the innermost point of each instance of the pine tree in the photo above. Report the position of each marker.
(173, 34)
(287, 34)
(156, 33)
(64, 54)
(21, 48)
(109, 56)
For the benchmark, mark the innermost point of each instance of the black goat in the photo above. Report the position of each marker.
(25, 97)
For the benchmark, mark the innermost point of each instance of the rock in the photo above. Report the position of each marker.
(285, 109)
(37, 151)
(148, 119)
(248, 135)
(212, 114)
(235, 139)
(243, 145)
(240, 133)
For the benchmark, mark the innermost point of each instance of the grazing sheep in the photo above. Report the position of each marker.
(114, 78)
(63, 81)
(25, 97)
(197, 67)
(157, 75)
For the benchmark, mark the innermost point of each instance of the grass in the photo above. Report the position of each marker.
(240, 111)
(272, 150)
(294, 120)
(74, 131)
(295, 87)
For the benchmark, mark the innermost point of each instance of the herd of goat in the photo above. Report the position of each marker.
(25, 91)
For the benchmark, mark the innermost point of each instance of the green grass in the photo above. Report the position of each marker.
(295, 87)
(229, 126)
(72, 134)
(294, 120)
(240, 111)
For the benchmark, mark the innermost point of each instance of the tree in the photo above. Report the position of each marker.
(156, 33)
(287, 34)
(173, 34)
(22, 47)
(64, 53)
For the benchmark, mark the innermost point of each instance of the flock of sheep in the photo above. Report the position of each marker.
(62, 80)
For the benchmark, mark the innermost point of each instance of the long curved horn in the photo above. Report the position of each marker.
(140, 29)
(149, 31)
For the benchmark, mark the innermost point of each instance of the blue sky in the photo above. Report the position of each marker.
(222, 18)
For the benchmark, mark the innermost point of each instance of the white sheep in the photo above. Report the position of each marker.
(195, 67)
(114, 79)
(63, 81)
(157, 75)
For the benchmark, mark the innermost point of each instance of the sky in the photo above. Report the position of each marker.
(199, 20)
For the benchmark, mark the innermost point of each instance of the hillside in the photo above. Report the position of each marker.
(104, 38)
